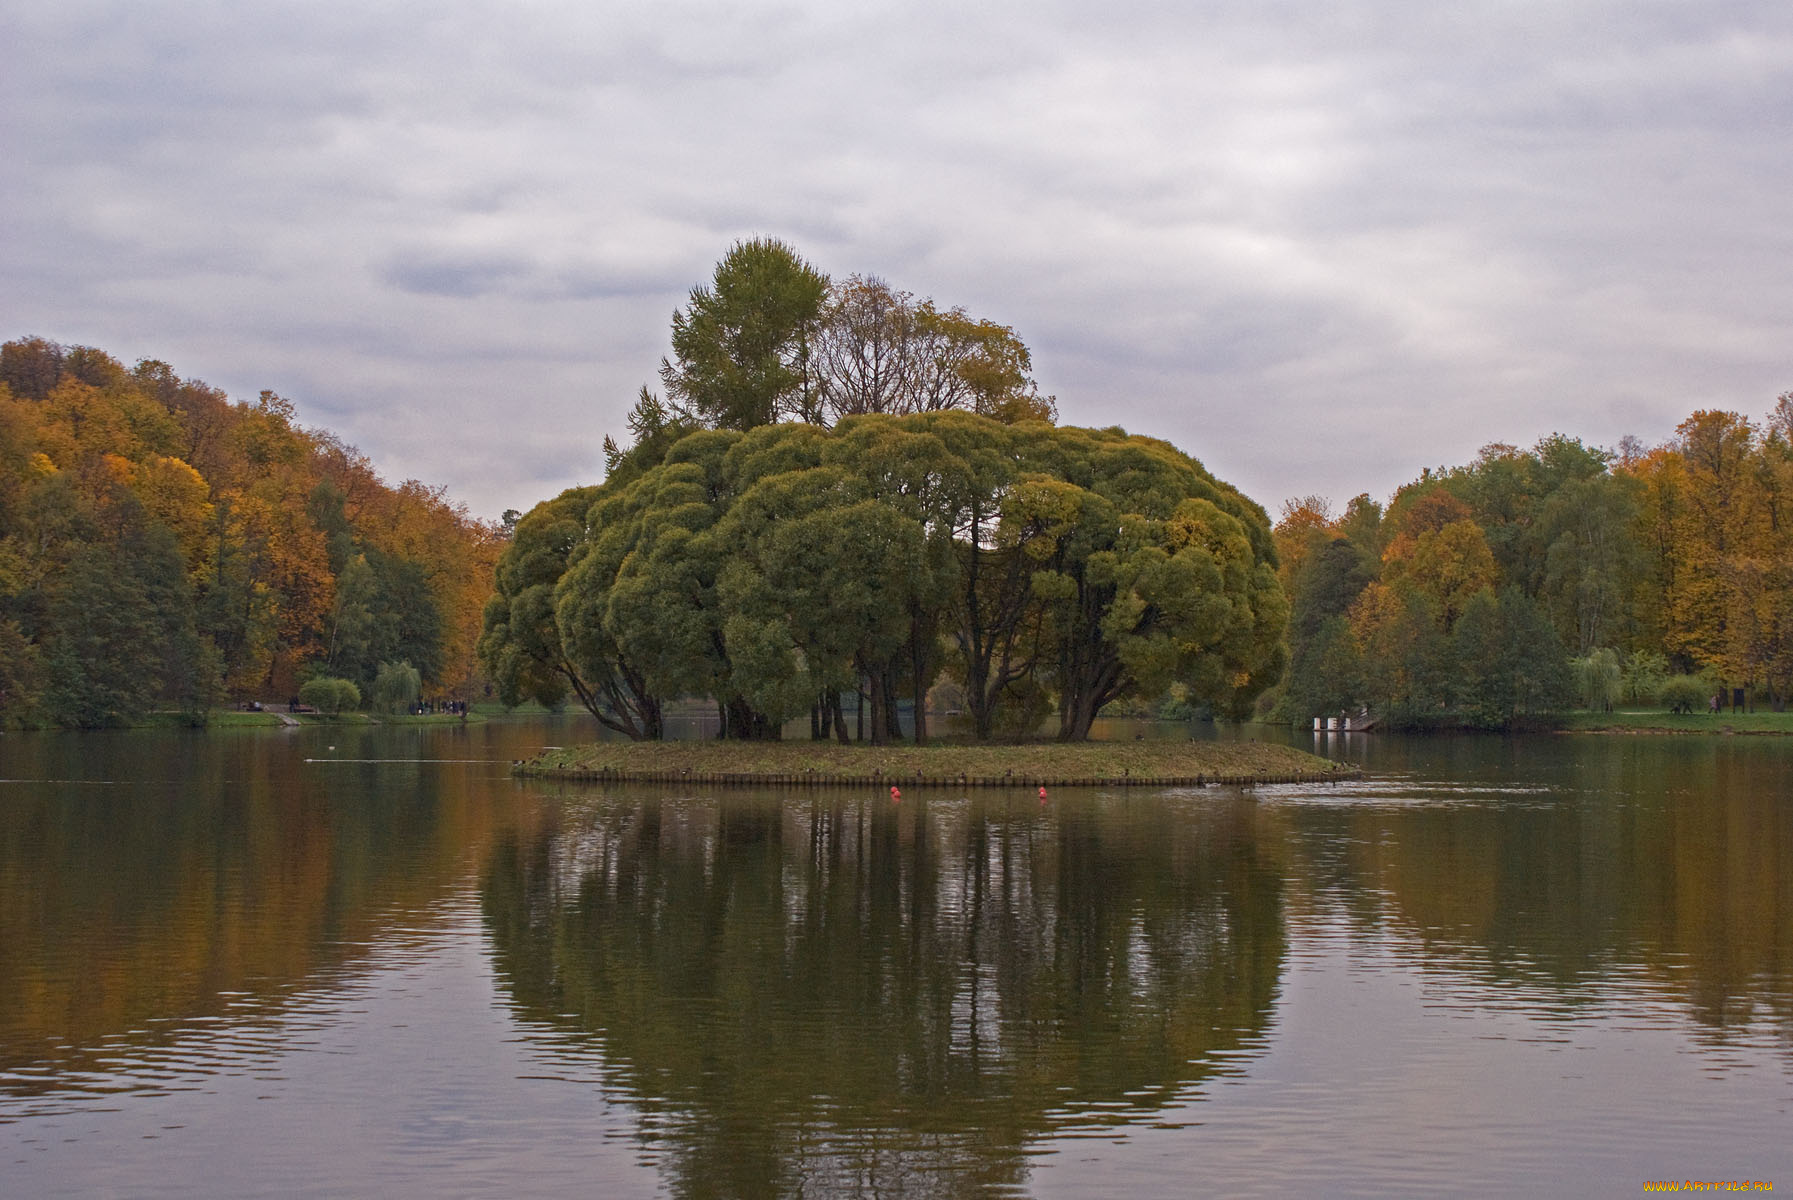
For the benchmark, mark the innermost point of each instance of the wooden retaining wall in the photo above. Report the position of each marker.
(880, 780)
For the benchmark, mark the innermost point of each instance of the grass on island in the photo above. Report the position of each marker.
(1137, 760)
(1657, 721)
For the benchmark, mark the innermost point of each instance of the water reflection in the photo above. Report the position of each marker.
(817, 995)
(348, 955)
(154, 883)
(1559, 862)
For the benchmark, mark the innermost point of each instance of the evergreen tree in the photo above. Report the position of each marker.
(741, 347)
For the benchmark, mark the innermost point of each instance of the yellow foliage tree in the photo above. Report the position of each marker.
(1447, 566)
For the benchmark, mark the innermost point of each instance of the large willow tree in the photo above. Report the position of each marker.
(771, 569)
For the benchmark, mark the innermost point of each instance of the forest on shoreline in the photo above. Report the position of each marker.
(165, 547)
(1564, 576)
(842, 495)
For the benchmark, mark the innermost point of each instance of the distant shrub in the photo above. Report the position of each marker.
(1645, 673)
(1598, 677)
(1685, 694)
(330, 696)
(397, 686)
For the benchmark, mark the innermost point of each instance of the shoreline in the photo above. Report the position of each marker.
(1621, 724)
(1670, 731)
(1726, 724)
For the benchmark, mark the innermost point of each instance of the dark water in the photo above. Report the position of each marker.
(368, 962)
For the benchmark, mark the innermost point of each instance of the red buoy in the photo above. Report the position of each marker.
(894, 794)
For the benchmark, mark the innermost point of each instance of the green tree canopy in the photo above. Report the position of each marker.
(1510, 663)
(772, 569)
(741, 346)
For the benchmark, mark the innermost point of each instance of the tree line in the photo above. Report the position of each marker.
(162, 545)
(1530, 581)
(848, 491)
(840, 489)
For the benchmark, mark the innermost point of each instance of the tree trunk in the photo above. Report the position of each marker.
(621, 703)
(893, 717)
(878, 691)
(922, 649)
(977, 702)
(1089, 681)
(840, 721)
(653, 724)
(1076, 713)
(991, 611)
(745, 724)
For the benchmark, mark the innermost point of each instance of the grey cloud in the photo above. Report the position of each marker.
(1321, 247)
(447, 275)
(600, 283)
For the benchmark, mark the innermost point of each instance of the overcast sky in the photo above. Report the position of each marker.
(1319, 246)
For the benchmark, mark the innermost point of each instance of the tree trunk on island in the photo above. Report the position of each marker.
(740, 721)
(877, 690)
(921, 665)
(1086, 685)
(992, 613)
(893, 717)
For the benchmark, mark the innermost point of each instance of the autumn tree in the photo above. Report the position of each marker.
(261, 516)
(1448, 566)
(878, 350)
(1405, 667)
(1711, 521)
(770, 339)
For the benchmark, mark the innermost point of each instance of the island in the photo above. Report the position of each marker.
(1160, 763)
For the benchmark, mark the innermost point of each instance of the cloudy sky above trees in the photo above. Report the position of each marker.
(1317, 246)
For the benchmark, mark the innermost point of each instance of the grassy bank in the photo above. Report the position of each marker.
(1656, 721)
(948, 764)
(232, 718)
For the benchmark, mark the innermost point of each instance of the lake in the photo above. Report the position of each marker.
(365, 960)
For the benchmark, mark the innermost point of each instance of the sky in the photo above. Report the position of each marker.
(1320, 247)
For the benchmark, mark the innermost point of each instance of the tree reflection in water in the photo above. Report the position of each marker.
(819, 994)
(150, 882)
(1573, 870)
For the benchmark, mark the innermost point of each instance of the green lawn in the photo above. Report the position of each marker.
(1657, 721)
(218, 718)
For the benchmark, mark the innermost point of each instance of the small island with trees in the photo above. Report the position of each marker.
(845, 492)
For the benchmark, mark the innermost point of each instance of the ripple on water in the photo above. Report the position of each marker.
(250, 1036)
(1398, 792)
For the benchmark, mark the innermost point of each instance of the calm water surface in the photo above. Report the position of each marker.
(367, 961)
